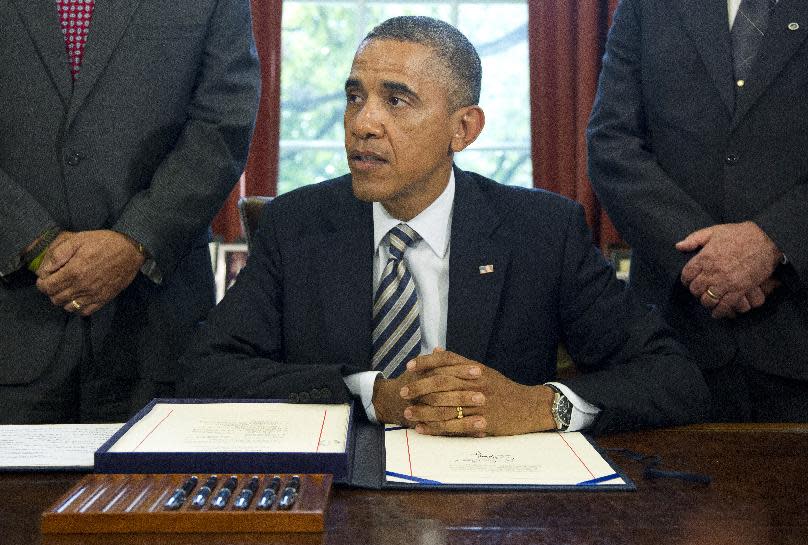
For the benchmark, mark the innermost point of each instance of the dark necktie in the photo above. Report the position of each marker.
(396, 323)
(747, 34)
(75, 17)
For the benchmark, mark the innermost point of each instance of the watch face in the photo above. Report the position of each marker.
(561, 409)
(563, 412)
(565, 409)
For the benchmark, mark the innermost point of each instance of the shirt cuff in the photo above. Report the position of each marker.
(583, 413)
(151, 271)
(361, 385)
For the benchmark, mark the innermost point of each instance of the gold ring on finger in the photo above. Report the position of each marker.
(711, 295)
(459, 412)
(76, 305)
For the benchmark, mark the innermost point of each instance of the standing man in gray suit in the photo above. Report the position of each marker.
(697, 147)
(125, 125)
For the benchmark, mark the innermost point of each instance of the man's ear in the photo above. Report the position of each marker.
(468, 124)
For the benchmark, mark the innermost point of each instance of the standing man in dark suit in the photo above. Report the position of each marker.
(436, 296)
(697, 148)
(125, 124)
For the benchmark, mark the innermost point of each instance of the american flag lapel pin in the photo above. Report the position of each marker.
(485, 269)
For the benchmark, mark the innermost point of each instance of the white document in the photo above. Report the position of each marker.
(52, 446)
(238, 427)
(548, 458)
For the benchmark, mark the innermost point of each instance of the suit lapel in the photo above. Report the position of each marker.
(708, 26)
(777, 48)
(42, 19)
(473, 297)
(346, 274)
(110, 19)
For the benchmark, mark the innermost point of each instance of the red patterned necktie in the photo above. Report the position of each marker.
(75, 17)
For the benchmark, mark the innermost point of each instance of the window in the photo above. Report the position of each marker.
(319, 39)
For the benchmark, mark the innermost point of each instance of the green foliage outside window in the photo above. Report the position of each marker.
(319, 39)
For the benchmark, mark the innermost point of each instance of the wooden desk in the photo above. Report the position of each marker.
(759, 495)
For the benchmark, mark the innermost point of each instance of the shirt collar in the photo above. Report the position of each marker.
(433, 223)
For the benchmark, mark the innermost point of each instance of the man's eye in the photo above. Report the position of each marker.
(395, 101)
(353, 98)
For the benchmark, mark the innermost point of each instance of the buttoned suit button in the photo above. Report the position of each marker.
(304, 397)
(294, 397)
(315, 394)
(325, 394)
(73, 159)
(732, 159)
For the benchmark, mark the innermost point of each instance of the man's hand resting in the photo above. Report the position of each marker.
(428, 394)
(90, 268)
(732, 270)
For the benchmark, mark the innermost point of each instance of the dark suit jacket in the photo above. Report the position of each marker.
(147, 141)
(299, 316)
(672, 150)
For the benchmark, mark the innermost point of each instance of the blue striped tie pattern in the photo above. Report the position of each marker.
(396, 323)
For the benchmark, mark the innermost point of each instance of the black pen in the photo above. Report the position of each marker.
(269, 493)
(179, 495)
(202, 496)
(289, 493)
(223, 496)
(246, 494)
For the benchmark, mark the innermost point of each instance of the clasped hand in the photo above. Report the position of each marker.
(732, 271)
(427, 396)
(89, 268)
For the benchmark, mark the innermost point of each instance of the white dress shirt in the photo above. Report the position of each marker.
(428, 262)
(732, 11)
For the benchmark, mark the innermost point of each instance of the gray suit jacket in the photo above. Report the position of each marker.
(148, 141)
(673, 148)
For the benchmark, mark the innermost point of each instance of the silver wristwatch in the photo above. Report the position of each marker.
(561, 409)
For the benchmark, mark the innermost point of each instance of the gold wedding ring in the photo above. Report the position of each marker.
(711, 295)
(459, 412)
(76, 305)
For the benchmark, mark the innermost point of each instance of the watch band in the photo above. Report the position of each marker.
(561, 409)
(43, 241)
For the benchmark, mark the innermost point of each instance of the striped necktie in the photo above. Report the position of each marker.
(396, 323)
(747, 34)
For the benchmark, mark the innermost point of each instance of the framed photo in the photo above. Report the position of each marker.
(230, 259)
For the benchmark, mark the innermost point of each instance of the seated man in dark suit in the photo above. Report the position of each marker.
(436, 296)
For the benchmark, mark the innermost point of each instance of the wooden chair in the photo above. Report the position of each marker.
(249, 211)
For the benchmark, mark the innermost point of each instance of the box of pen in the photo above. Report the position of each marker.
(191, 503)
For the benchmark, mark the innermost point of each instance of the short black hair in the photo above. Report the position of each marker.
(448, 44)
